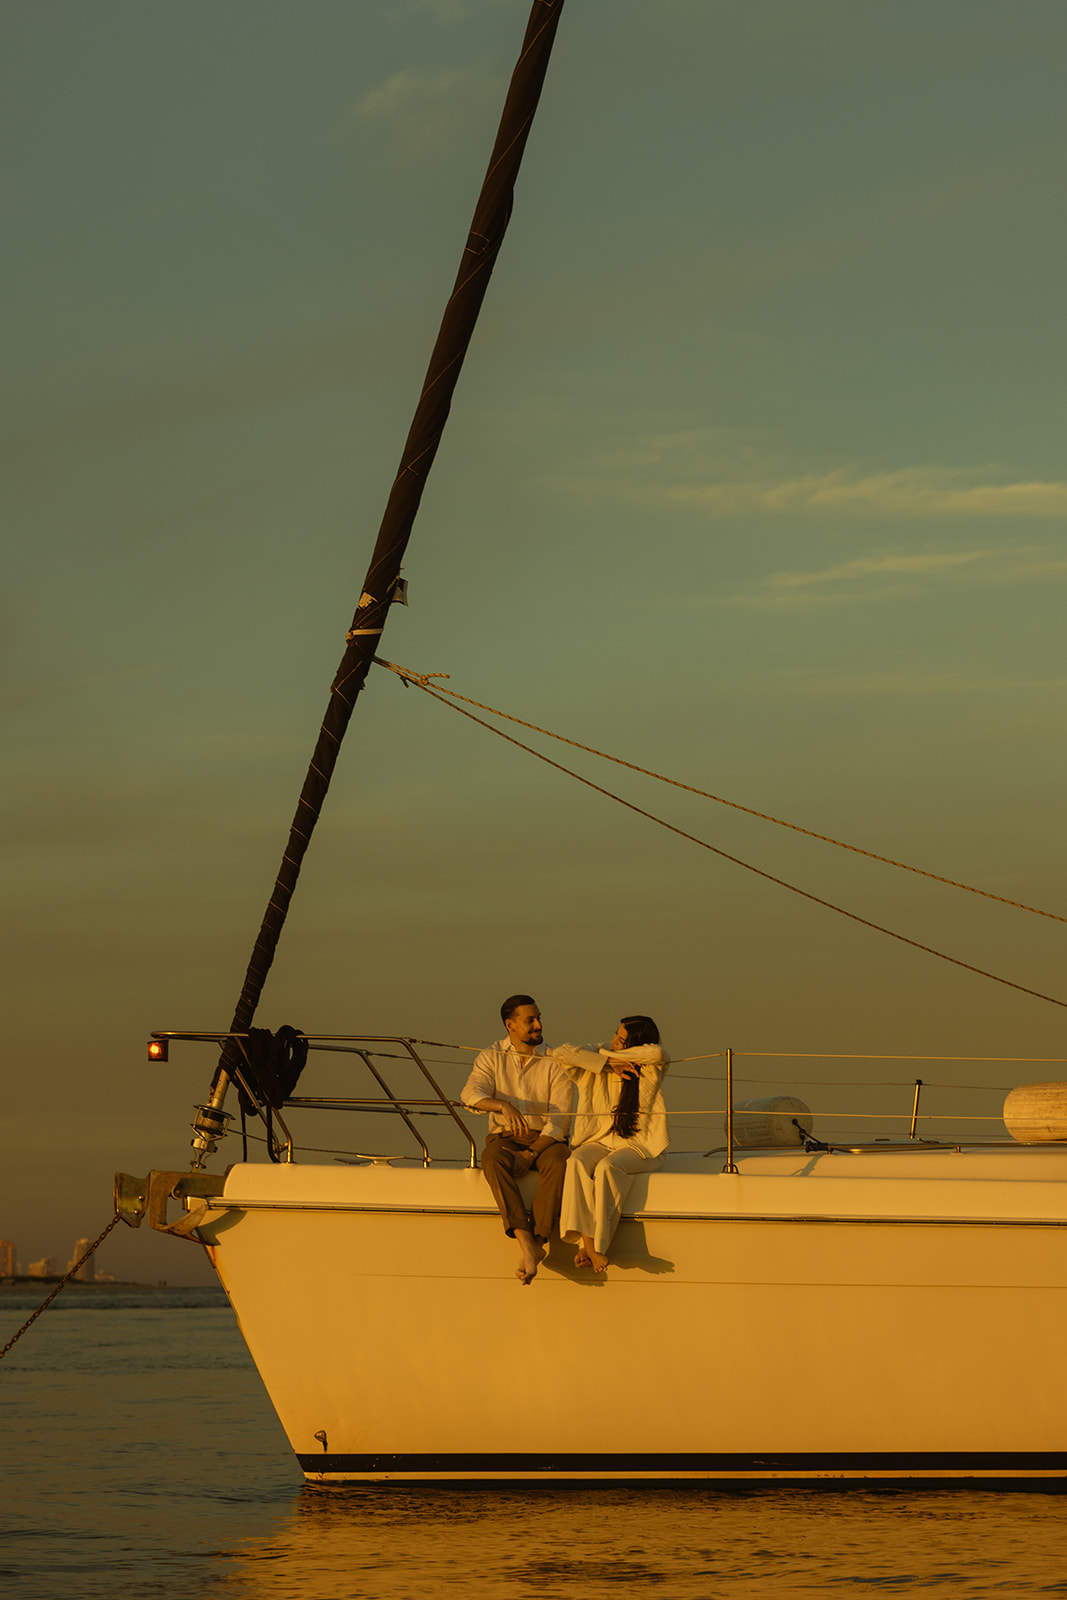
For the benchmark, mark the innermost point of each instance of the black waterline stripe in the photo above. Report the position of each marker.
(925, 1462)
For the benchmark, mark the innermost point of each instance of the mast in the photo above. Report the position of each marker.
(491, 216)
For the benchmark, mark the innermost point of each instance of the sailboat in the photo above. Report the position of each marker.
(780, 1308)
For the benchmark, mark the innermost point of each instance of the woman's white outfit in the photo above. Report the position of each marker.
(602, 1163)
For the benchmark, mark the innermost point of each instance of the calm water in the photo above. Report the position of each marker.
(141, 1457)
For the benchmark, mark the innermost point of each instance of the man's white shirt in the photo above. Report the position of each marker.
(535, 1085)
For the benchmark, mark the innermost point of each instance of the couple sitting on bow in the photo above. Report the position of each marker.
(533, 1093)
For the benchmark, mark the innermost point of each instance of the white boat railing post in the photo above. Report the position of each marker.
(729, 1167)
(364, 1056)
(409, 1045)
(915, 1108)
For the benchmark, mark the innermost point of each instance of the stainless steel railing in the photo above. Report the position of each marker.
(358, 1045)
(777, 1073)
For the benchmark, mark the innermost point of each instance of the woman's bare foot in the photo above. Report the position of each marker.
(585, 1252)
(532, 1256)
(598, 1262)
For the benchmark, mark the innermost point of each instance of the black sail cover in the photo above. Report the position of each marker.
(491, 216)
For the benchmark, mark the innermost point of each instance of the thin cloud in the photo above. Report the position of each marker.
(771, 599)
(913, 491)
(735, 471)
(425, 109)
(880, 578)
(876, 566)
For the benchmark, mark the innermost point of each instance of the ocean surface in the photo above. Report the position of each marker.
(141, 1456)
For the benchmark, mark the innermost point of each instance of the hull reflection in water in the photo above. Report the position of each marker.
(689, 1545)
(892, 1317)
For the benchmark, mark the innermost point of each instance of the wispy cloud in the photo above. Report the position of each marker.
(732, 471)
(912, 491)
(424, 109)
(885, 577)
(722, 471)
(877, 566)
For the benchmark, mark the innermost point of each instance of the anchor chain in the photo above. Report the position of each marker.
(61, 1285)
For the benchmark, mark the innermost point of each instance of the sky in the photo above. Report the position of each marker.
(754, 477)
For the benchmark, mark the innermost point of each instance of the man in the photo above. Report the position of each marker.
(529, 1100)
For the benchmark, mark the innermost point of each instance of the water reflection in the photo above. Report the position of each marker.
(686, 1543)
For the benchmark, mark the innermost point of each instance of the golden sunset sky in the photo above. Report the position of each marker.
(755, 476)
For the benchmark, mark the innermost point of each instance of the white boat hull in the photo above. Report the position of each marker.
(880, 1318)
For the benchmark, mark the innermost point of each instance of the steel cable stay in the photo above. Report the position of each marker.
(421, 681)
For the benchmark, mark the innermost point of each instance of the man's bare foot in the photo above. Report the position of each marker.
(598, 1262)
(582, 1260)
(532, 1256)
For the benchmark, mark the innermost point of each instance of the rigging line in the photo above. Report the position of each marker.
(726, 856)
(770, 1055)
(854, 1117)
(820, 1055)
(841, 1083)
(931, 1084)
(764, 816)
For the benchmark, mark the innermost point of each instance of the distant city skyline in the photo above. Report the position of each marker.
(47, 1266)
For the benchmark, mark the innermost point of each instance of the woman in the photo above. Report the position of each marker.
(620, 1129)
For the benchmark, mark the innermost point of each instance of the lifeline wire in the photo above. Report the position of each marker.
(773, 1055)
(419, 680)
(854, 916)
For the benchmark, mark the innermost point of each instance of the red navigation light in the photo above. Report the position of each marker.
(157, 1049)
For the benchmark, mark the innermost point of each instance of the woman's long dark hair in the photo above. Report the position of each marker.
(639, 1030)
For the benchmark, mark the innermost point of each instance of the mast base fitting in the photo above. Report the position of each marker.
(208, 1128)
